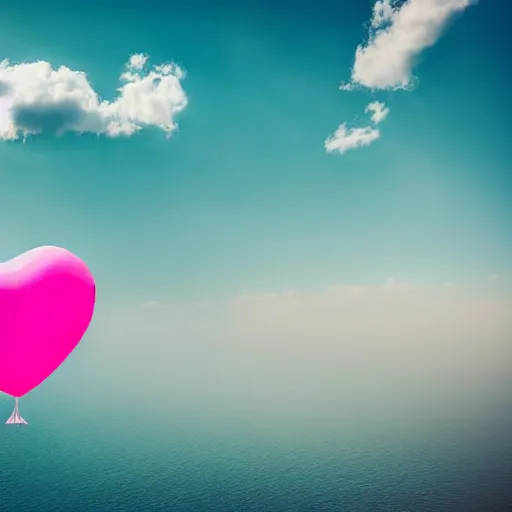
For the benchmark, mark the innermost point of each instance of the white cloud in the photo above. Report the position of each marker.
(347, 87)
(345, 139)
(398, 34)
(379, 111)
(383, 11)
(35, 99)
(137, 61)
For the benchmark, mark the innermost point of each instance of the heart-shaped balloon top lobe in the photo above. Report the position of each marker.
(46, 304)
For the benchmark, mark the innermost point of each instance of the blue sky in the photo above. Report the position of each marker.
(244, 195)
(258, 296)
(242, 269)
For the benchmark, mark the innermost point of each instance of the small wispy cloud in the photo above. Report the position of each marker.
(378, 110)
(138, 61)
(35, 98)
(344, 139)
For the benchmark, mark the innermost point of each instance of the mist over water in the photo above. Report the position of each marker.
(293, 403)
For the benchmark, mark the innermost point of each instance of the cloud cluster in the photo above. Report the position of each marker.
(344, 139)
(398, 32)
(36, 99)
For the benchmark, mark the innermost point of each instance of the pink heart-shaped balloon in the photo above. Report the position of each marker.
(46, 304)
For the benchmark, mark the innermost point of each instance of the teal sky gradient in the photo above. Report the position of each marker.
(244, 195)
(381, 396)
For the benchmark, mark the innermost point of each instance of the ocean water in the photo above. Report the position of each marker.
(86, 451)
(154, 426)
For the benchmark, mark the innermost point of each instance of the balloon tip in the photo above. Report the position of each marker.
(15, 418)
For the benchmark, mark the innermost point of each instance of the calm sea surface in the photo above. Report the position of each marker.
(92, 455)
(107, 434)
